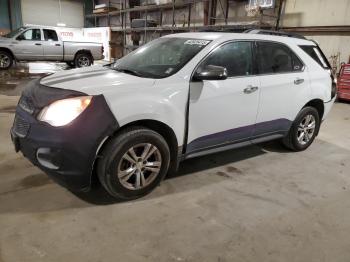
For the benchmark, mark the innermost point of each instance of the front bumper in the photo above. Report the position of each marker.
(66, 153)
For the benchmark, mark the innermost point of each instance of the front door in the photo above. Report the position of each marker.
(28, 45)
(223, 112)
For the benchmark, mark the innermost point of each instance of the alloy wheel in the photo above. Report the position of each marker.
(306, 129)
(83, 61)
(4, 61)
(139, 166)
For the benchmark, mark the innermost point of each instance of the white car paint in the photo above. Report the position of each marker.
(214, 106)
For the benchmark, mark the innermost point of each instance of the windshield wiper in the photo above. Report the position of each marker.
(128, 71)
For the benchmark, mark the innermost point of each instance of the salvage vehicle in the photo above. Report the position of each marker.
(44, 44)
(178, 97)
(344, 83)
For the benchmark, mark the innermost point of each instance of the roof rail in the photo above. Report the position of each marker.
(270, 32)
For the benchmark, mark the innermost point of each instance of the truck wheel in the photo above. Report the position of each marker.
(6, 60)
(83, 60)
(133, 163)
(304, 130)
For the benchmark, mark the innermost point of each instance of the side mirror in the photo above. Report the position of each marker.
(210, 72)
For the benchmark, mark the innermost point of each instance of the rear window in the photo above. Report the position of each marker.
(50, 35)
(316, 54)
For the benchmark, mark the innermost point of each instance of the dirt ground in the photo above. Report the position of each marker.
(260, 203)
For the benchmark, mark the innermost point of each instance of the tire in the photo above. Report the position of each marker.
(6, 60)
(83, 60)
(300, 126)
(115, 164)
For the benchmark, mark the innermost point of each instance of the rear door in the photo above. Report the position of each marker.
(28, 45)
(284, 85)
(223, 112)
(53, 47)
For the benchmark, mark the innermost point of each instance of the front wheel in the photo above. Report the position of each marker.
(133, 163)
(6, 60)
(83, 60)
(304, 130)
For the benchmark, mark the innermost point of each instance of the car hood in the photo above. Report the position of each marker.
(4, 39)
(95, 80)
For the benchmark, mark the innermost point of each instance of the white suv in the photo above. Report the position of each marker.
(177, 97)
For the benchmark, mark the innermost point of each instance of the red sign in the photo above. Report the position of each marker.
(70, 34)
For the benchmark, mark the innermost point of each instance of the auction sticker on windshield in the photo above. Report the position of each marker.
(196, 42)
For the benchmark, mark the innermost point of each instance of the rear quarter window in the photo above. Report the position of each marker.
(316, 54)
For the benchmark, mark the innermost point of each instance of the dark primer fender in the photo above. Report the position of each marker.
(73, 147)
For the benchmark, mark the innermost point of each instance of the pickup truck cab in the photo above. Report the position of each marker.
(177, 97)
(44, 44)
(344, 83)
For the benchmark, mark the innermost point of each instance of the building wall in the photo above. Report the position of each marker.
(47, 12)
(322, 13)
(316, 13)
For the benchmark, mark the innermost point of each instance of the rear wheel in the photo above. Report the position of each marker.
(133, 163)
(6, 60)
(83, 60)
(304, 130)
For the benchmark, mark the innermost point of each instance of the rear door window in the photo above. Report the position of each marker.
(50, 35)
(275, 58)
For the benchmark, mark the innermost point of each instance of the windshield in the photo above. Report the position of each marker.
(160, 58)
(15, 32)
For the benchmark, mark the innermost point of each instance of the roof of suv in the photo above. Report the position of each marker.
(232, 36)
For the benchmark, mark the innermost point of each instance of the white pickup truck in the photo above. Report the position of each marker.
(44, 44)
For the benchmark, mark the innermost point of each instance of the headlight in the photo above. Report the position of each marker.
(64, 111)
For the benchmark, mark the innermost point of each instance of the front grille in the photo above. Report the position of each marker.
(20, 127)
(26, 104)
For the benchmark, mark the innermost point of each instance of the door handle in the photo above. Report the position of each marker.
(57, 45)
(37, 44)
(250, 89)
(298, 81)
